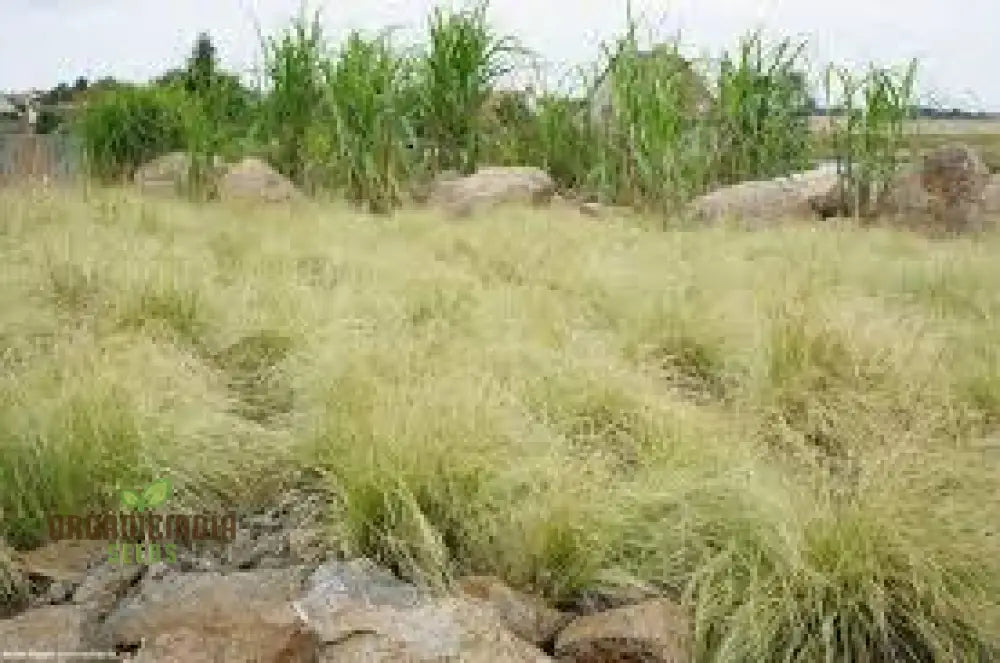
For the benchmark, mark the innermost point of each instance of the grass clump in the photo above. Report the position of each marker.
(810, 469)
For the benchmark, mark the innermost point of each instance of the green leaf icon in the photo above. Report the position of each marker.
(131, 500)
(157, 493)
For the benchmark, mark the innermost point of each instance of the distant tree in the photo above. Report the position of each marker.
(202, 66)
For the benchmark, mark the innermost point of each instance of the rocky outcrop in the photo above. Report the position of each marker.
(263, 598)
(250, 180)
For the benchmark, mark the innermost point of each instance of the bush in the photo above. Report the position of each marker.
(124, 128)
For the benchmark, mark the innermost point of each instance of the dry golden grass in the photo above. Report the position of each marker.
(794, 430)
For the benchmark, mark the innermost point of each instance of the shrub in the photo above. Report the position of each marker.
(122, 129)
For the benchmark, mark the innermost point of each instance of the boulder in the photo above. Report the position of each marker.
(61, 566)
(943, 193)
(254, 180)
(242, 616)
(361, 613)
(170, 174)
(802, 196)
(491, 186)
(655, 631)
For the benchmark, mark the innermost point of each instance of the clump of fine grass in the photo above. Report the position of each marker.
(809, 468)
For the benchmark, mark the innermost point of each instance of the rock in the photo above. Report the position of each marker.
(492, 186)
(170, 174)
(66, 560)
(57, 568)
(105, 585)
(944, 193)
(802, 196)
(190, 645)
(254, 180)
(525, 616)
(240, 616)
(656, 631)
(49, 628)
(361, 613)
(595, 210)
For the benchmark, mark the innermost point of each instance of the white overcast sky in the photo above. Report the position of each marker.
(43, 42)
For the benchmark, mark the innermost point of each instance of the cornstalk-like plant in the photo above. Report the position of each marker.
(762, 109)
(869, 140)
(368, 91)
(459, 72)
(295, 75)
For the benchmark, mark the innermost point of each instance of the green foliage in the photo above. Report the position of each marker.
(294, 62)
(762, 111)
(368, 93)
(464, 61)
(869, 141)
(371, 121)
(124, 128)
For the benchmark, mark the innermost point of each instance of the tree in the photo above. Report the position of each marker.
(203, 63)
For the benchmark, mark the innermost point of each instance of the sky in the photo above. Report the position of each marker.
(46, 42)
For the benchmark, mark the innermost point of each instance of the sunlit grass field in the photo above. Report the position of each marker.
(794, 431)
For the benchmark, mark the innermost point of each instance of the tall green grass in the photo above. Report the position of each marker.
(375, 121)
(123, 129)
(869, 140)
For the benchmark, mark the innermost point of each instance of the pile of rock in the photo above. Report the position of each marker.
(276, 595)
(948, 191)
(250, 179)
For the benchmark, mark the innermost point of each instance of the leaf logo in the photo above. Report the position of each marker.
(153, 496)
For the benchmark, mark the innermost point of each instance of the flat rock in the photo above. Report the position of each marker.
(525, 616)
(48, 628)
(256, 181)
(492, 186)
(238, 616)
(655, 631)
(361, 613)
(802, 196)
(66, 560)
